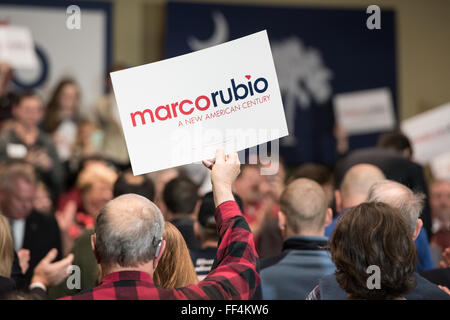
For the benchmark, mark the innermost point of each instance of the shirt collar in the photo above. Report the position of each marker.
(127, 275)
(304, 243)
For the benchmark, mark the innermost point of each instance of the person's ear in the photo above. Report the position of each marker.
(93, 247)
(338, 197)
(419, 225)
(328, 217)
(161, 251)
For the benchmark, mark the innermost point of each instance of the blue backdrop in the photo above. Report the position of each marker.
(317, 53)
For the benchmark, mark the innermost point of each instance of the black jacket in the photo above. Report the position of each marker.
(41, 235)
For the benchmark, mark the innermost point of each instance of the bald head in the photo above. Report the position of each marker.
(128, 230)
(357, 182)
(396, 195)
(304, 204)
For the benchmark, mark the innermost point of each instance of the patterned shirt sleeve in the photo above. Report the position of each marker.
(236, 273)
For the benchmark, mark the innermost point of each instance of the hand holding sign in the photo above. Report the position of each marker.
(224, 171)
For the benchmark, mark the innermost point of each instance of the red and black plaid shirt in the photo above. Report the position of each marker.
(234, 277)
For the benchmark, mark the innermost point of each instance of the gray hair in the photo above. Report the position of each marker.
(400, 197)
(128, 231)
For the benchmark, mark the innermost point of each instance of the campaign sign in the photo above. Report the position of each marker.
(17, 47)
(429, 133)
(181, 110)
(365, 111)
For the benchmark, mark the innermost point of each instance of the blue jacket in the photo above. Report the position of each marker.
(294, 273)
(424, 258)
(424, 290)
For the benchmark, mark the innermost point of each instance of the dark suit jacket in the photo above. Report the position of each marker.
(7, 286)
(41, 235)
(395, 167)
(439, 276)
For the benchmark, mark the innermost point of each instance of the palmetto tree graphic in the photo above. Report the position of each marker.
(302, 77)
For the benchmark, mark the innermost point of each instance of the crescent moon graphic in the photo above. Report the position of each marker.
(220, 34)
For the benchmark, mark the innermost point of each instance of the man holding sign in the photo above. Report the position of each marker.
(128, 253)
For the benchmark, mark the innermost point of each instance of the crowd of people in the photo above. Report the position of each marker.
(371, 227)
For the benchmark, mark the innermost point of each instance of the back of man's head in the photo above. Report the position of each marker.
(128, 231)
(397, 195)
(304, 204)
(141, 185)
(180, 196)
(396, 140)
(314, 171)
(206, 217)
(357, 182)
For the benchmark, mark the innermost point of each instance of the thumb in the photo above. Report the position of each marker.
(208, 164)
(64, 263)
(51, 255)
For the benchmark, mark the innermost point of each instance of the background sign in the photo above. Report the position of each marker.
(17, 47)
(429, 133)
(365, 111)
(82, 53)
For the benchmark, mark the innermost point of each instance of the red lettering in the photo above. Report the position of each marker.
(208, 103)
(141, 114)
(168, 115)
(174, 109)
(181, 107)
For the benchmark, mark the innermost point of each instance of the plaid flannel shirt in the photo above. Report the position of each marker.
(235, 275)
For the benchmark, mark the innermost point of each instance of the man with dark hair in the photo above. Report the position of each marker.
(181, 198)
(25, 140)
(128, 183)
(397, 141)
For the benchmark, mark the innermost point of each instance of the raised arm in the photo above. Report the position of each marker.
(236, 274)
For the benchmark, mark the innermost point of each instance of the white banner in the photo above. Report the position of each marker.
(366, 111)
(78, 53)
(429, 133)
(17, 47)
(180, 110)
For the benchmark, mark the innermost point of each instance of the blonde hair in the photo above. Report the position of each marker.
(175, 268)
(95, 172)
(6, 248)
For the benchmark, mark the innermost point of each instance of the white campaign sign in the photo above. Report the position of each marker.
(180, 110)
(365, 111)
(429, 133)
(17, 47)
